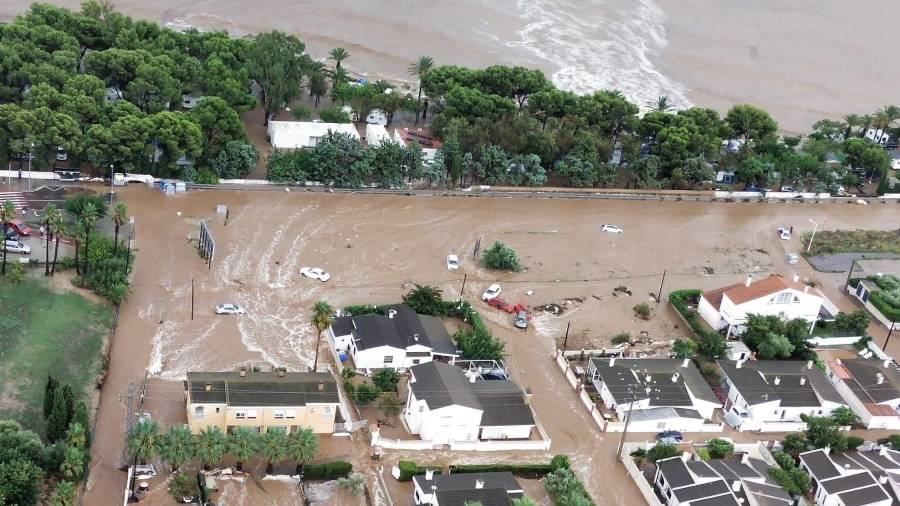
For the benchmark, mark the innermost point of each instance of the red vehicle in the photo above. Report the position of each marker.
(20, 227)
(501, 304)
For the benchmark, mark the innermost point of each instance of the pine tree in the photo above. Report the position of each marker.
(49, 390)
(69, 398)
(57, 422)
(81, 417)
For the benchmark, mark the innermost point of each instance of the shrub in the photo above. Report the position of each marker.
(862, 343)
(16, 274)
(710, 373)
(703, 453)
(519, 469)
(301, 112)
(719, 448)
(854, 323)
(784, 460)
(639, 456)
(642, 311)
(795, 442)
(427, 300)
(712, 345)
(365, 393)
(363, 309)
(238, 159)
(662, 451)
(784, 479)
(854, 442)
(334, 114)
(386, 379)
(389, 405)
(560, 461)
(844, 416)
(182, 486)
(801, 479)
(355, 484)
(622, 338)
(408, 469)
(684, 348)
(327, 471)
(889, 311)
(501, 257)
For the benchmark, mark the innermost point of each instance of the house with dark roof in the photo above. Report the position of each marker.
(661, 394)
(718, 482)
(771, 395)
(398, 339)
(489, 489)
(728, 307)
(872, 389)
(861, 478)
(262, 401)
(447, 403)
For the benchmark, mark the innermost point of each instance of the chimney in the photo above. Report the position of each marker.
(883, 480)
(802, 380)
(809, 364)
(879, 378)
(887, 363)
(429, 474)
(806, 289)
(528, 395)
(479, 484)
(321, 387)
(796, 278)
(736, 486)
(745, 459)
(391, 314)
(280, 372)
(777, 381)
(675, 378)
(208, 387)
(472, 378)
(749, 280)
(738, 364)
(612, 361)
(416, 337)
(243, 371)
(685, 363)
(648, 378)
(837, 361)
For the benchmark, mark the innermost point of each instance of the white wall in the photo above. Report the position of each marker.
(450, 423)
(506, 432)
(373, 358)
(807, 308)
(709, 314)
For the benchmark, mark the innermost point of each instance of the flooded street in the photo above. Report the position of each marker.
(376, 247)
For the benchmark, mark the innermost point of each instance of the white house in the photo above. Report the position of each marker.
(377, 135)
(770, 395)
(305, 134)
(472, 488)
(861, 478)
(446, 403)
(399, 339)
(113, 94)
(662, 394)
(728, 307)
(878, 135)
(894, 154)
(684, 482)
(871, 388)
(725, 176)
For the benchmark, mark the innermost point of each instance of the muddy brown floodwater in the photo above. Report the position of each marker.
(376, 247)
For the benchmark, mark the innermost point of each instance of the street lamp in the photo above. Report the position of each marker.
(815, 227)
(30, 156)
(111, 179)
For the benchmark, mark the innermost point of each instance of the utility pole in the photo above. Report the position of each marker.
(462, 289)
(627, 421)
(659, 293)
(849, 274)
(566, 339)
(192, 298)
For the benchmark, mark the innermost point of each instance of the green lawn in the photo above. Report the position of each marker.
(854, 241)
(43, 332)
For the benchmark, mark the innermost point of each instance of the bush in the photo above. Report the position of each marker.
(784, 460)
(640, 456)
(565, 488)
(642, 311)
(501, 257)
(622, 338)
(662, 451)
(844, 416)
(301, 112)
(854, 442)
(784, 479)
(520, 469)
(365, 393)
(703, 453)
(334, 114)
(182, 486)
(712, 345)
(327, 471)
(238, 159)
(408, 469)
(719, 448)
(560, 462)
(795, 442)
(427, 300)
(386, 379)
(684, 348)
(890, 312)
(16, 274)
(363, 309)
(854, 324)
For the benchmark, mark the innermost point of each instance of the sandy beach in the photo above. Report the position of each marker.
(801, 61)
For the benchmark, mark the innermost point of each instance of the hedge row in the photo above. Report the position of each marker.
(327, 471)
(408, 469)
(889, 311)
(679, 300)
(532, 469)
(363, 309)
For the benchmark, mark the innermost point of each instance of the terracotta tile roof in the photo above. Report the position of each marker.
(840, 370)
(880, 409)
(740, 293)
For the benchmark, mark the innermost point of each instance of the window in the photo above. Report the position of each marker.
(240, 415)
(290, 414)
(415, 361)
(661, 425)
(251, 413)
(278, 414)
(388, 359)
(198, 411)
(785, 298)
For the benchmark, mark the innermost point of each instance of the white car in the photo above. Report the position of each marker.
(611, 229)
(315, 273)
(492, 292)
(452, 262)
(229, 309)
(784, 234)
(18, 247)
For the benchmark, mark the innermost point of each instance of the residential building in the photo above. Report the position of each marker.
(863, 292)
(399, 339)
(262, 401)
(725, 176)
(305, 134)
(861, 478)
(377, 135)
(430, 146)
(718, 482)
(872, 389)
(488, 489)
(771, 395)
(662, 394)
(447, 403)
(728, 307)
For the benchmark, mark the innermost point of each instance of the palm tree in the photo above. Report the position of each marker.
(338, 76)
(850, 121)
(210, 446)
(419, 68)
(89, 216)
(77, 234)
(73, 463)
(864, 123)
(176, 446)
(142, 440)
(120, 214)
(242, 444)
(7, 214)
(338, 54)
(65, 494)
(76, 435)
(318, 84)
(61, 230)
(888, 115)
(661, 104)
(323, 315)
(273, 448)
(303, 445)
(51, 217)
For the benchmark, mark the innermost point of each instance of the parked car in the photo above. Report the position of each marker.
(20, 227)
(787, 188)
(10, 234)
(522, 320)
(492, 292)
(17, 247)
(611, 229)
(452, 262)
(784, 233)
(669, 436)
(315, 273)
(61, 154)
(229, 309)
(501, 304)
